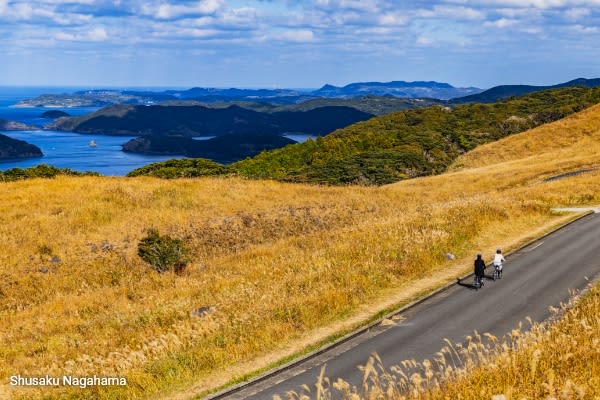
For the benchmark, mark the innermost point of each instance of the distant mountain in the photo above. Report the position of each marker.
(504, 91)
(421, 89)
(224, 149)
(104, 98)
(198, 92)
(192, 121)
(13, 148)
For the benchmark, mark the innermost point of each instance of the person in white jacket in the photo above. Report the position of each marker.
(498, 260)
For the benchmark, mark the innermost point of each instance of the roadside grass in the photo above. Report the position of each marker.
(278, 262)
(558, 359)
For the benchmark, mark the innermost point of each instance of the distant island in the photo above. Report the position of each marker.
(12, 148)
(6, 125)
(54, 114)
(223, 149)
(420, 89)
(104, 98)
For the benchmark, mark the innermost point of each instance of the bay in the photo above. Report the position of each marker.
(73, 150)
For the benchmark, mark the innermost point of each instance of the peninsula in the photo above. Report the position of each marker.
(12, 148)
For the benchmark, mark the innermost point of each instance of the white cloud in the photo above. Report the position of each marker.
(165, 10)
(425, 41)
(358, 5)
(392, 19)
(540, 4)
(519, 12)
(577, 13)
(536, 30)
(460, 13)
(29, 11)
(501, 23)
(183, 33)
(92, 35)
(298, 36)
(97, 35)
(585, 29)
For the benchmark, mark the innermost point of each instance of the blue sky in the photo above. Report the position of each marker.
(296, 43)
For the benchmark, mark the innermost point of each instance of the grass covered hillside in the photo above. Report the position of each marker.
(274, 268)
(409, 143)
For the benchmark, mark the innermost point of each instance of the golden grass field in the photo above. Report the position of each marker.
(284, 265)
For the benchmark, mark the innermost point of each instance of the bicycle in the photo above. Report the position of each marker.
(478, 282)
(497, 272)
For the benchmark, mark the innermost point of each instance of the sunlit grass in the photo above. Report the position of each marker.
(278, 262)
(558, 360)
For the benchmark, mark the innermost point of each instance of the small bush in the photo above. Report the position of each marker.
(163, 253)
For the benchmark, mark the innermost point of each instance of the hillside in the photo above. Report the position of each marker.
(13, 148)
(504, 91)
(411, 143)
(283, 266)
(375, 105)
(558, 135)
(192, 121)
(223, 149)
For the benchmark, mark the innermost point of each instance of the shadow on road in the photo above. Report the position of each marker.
(467, 285)
(471, 285)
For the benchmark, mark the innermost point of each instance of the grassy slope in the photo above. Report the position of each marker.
(559, 135)
(278, 261)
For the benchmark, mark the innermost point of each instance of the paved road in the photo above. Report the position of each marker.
(535, 278)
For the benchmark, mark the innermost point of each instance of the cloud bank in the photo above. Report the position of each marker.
(335, 38)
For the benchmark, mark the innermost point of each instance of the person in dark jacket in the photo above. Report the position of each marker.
(479, 270)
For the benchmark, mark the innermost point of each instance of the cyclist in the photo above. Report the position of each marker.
(498, 260)
(479, 271)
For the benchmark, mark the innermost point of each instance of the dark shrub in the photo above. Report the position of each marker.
(163, 253)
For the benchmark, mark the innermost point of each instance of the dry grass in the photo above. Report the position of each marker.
(550, 361)
(277, 261)
(571, 132)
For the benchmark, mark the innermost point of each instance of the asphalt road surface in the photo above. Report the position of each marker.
(536, 277)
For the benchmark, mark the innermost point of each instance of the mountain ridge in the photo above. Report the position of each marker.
(193, 121)
(504, 91)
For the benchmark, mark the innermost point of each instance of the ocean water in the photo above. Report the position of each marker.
(72, 150)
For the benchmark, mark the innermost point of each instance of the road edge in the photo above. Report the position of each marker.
(291, 364)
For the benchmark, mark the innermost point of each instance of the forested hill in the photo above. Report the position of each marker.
(405, 144)
(203, 121)
(12, 148)
(504, 91)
